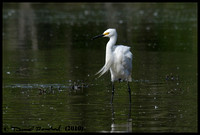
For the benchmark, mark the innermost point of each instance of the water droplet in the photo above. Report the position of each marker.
(176, 27)
(120, 21)
(8, 73)
(155, 13)
(148, 28)
(86, 12)
(141, 12)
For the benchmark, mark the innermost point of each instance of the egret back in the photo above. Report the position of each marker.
(122, 63)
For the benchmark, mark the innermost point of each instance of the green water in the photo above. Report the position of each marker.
(50, 61)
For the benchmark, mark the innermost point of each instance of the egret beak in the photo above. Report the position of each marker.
(98, 36)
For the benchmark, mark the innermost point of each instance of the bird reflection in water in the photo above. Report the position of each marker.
(125, 127)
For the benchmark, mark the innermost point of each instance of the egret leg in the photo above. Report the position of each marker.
(113, 90)
(129, 91)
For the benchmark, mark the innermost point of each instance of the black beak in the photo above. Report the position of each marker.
(97, 36)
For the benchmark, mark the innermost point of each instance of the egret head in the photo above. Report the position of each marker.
(108, 33)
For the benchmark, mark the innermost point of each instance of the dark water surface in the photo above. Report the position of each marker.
(49, 66)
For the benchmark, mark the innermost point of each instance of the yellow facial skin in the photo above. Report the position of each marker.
(106, 33)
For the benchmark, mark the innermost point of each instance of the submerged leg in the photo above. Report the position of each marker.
(113, 90)
(129, 90)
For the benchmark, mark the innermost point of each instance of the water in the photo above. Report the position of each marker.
(49, 64)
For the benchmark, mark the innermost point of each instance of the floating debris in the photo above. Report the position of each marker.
(42, 91)
(171, 77)
(51, 88)
(77, 86)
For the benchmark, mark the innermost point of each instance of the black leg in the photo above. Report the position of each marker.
(112, 108)
(113, 90)
(129, 90)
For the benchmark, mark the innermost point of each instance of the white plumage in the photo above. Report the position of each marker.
(118, 60)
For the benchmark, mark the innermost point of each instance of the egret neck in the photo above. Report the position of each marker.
(109, 47)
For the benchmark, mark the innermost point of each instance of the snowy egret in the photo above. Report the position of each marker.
(118, 60)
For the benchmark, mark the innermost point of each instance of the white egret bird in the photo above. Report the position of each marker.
(118, 60)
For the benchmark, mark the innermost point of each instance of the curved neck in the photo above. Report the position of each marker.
(109, 47)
